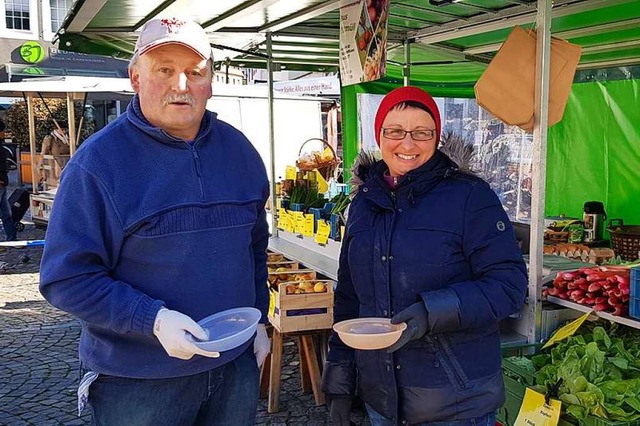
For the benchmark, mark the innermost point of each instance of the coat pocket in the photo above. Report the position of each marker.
(449, 362)
(432, 242)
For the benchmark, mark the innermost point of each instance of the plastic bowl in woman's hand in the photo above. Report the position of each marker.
(228, 329)
(369, 333)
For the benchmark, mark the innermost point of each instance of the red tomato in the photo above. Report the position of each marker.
(372, 14)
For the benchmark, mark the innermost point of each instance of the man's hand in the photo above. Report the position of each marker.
(340, 411)
(417, 320)
(171, 327)
(261, 344)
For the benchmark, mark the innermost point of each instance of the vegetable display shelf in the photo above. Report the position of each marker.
(630, 322)
(517, 379)
(323, 259)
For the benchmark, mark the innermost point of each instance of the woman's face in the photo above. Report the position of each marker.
(406, 154)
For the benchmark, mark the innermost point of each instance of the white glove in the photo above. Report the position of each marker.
(171, 327)
(261, 344)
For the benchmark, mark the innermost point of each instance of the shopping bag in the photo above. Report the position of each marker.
(507, 87)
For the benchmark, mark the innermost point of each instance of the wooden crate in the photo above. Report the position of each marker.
(273, 256)
(288, 264)
(285, 303)
(291, 275)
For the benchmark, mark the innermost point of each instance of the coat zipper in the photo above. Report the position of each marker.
(444, 358)
(196, 159)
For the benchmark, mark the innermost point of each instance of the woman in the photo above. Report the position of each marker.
(429, 245)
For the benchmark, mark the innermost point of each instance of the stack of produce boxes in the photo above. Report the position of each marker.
(634, 302)
(299, 301)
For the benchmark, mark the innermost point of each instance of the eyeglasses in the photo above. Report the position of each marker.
(416, 135)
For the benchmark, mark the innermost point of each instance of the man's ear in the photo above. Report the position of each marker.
(134, 78)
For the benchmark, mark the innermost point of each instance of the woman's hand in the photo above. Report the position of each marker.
(417, 319)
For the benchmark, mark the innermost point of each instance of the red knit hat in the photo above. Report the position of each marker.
(403, 94)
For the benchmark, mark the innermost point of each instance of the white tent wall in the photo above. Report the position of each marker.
(295, 121)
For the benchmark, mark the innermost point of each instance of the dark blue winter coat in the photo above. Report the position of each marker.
(441, 237)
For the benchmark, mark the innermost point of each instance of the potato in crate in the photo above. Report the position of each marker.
(282, 266)
(286, 275)
(302, 305)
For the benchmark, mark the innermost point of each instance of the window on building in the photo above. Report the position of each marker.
(17, 13)
(59, 9)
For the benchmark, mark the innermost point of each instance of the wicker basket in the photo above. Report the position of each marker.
(625, 239)
(325, 168)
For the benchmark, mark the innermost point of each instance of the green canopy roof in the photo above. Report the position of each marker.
(451, 43)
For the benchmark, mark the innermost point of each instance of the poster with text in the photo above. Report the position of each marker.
(363, 40)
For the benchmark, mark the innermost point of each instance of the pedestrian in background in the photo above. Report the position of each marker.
(55, 144)
(160, 221)
(5, 208)
(430, 245)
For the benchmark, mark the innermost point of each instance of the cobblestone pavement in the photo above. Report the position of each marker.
(38, 355)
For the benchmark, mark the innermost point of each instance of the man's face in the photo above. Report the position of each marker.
(173, 84)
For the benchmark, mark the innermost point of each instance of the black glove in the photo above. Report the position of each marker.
(340, 410)
(417, 320)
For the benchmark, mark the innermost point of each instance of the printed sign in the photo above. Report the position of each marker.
(363, 40)
(536, 412)
(32, 52)
(566, 331)
(322, 236)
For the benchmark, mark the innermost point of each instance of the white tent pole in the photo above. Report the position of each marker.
(71, 124)
(540, 127)
(32, 142)
(272, 152)
(406, 69)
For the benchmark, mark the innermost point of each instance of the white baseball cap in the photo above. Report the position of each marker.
(158, 32)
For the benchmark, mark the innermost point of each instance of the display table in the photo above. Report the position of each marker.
(310, 372)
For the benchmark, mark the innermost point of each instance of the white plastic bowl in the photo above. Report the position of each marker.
(228, 329)
(369, 333)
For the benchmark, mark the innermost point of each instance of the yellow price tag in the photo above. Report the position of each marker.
(534, 411)
(307, 226)
(567, 330)
(283, 220)
(290, 173)
(298, 221)
(324, 229)
(290, 223)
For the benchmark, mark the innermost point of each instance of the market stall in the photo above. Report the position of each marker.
(72, 89)
(444, 46)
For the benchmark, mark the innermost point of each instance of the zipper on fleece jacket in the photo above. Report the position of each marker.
(196, 160)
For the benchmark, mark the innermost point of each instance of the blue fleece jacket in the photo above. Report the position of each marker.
(141, 220)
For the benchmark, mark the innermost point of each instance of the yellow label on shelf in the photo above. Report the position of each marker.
(290, 173)
(323, 186)
(534, 411)
(324, 229)
(307, 226)
(283, 220)
(291, 222)
(298, 219)
(566, 331)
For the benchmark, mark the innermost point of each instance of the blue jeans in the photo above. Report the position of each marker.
(6, 216)
(378, 420)
(227, 395)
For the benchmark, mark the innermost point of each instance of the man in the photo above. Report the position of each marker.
(158, 222)
(55, 144)
(5, 208)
